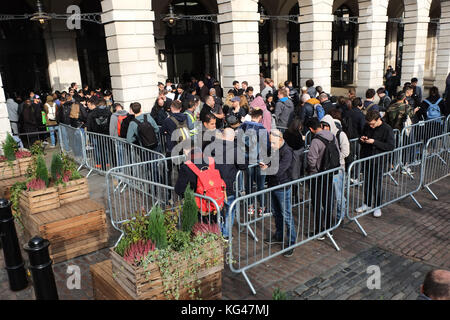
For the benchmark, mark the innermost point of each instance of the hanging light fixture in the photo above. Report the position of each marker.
(262, 17)
(40, 15)
(171, 18)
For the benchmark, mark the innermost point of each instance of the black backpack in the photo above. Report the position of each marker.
(331, 156)
(146, 134)
(102, 121)
(125, 124)
(64, 114)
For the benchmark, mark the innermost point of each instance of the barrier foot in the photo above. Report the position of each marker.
(332, 241)
(252, 233)
(89, 173)
(392, 178)
(361, 228)
(417, 202)
(431, 192)
(249, 283)
(79, 168)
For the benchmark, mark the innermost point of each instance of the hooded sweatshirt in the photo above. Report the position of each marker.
(316, 151)
(343, 143)
(113, 122)
(267, 116)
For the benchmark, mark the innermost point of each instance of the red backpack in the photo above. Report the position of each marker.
(209, 184)
(119, 123)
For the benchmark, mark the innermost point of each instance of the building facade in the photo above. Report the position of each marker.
(337, 43)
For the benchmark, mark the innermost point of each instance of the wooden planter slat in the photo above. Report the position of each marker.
(24, 163)
(103, 284)
(33, 202)
(148, 284)
(73, 191)
(6, 185)
(8, 171)
(74, 229)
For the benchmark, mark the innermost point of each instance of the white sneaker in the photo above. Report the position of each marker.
(363, 208)
(377, 213)
(406, 171)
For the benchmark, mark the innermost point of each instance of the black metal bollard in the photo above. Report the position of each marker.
(11, 249)
(41, 269)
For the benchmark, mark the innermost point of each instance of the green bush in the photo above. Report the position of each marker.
(10, 148)
(56, 167)
(157, 231)
(41, 170)
(189, 216)
(180, 240)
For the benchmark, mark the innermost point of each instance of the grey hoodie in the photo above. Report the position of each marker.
(317, 149)
(343, 142)
(113, 122)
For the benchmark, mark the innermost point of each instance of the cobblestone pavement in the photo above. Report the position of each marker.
(405, 242)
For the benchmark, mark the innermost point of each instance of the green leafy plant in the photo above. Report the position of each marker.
(180, 240)
(171, 220)
(37, 149)
(123, 245)
(16, 190)
(279, 295)
(56, 168)
(41, 170)
(137, 228)
(10, 148)
(190, 211)
(157, 231)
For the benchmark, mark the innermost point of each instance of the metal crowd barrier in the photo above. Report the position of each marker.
(447, 124)
(380, 184)
(422, 131)
(436, 161)
(309, 213)
(72, 142)
(141, 195)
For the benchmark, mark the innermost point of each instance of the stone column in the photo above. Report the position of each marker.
(280, 54)
(443, 52)
(131, 51)
(239, 42)
(415, 45)
(63, 66)
(315, 44)
(4, 120)
(372, 43)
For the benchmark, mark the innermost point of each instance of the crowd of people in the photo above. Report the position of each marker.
(200, 112)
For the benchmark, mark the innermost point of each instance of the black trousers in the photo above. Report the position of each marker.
(373, 179)
(322, 200)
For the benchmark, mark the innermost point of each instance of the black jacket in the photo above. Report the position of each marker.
(228, 171)
(384, 140)
(327, 106)
(168, 127)
(96, 113)
(282, 175)
(358, 119)
(187, 177)
(295, 141)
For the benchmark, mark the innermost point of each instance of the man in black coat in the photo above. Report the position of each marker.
(356, 115)
(377, 137)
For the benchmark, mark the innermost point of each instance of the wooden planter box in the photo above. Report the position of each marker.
(73, 191)
(8, 171)
(24, 163)
(6, 185)
(33, 202)
(75, 229)
(104, 286)
(148, 284)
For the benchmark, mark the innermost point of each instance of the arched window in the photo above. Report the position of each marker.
(343, 48)
(191, 46)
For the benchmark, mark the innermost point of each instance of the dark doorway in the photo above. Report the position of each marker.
(23, 54)
(265, 47)
(191, 46)
(92, 51)
(343, 49)
(293, 38)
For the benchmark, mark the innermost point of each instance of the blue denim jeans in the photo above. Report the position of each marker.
(338, 182)
(228, 218)
(51, 129)
(282, 212)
